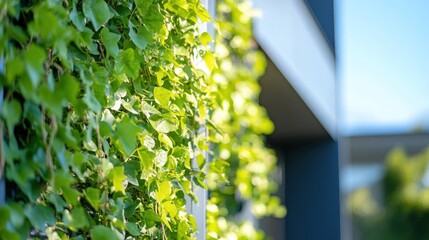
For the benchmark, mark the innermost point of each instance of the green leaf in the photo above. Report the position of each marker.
(110, 41)
(133, 229)
(170, 208)
(209, 60)
(69, 87)
(40, 216)
(201, 161)
(97, 11)
(143, 6)
(146, 161)
(14, 68)
(202, 13)
(127, 63)
(71, 195)
(118, 178)
(76, 219)
(149, 110)
(34, 58)
(100, 232)
(77, 19)
(50, 100)
(130, 168)
(148, 142)
(163, 192)
(5, 213)
(162, 96)
(151, 215)
(153, 18)
(92, 195)
(160, 158)
(165, 220)
(163, 124)
(126, 132)
(87, 35)
(11, 113)
(45, 23)
(186, 185)
(165, 139)
(139, 39)
(91, 101)
(206, 38)
(128, 107)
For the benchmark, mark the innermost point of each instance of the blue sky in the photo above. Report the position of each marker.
(383, 57)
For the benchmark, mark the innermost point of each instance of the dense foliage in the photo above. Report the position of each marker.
(240, 172)
(403, 210)
(106, 106)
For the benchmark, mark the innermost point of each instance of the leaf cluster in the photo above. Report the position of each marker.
(241, 171)
(106, 107)
(103, 103)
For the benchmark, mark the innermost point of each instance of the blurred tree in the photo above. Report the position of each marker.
(404, 212)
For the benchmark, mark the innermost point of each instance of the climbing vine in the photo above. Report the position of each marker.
(241, 170)
(106, 104)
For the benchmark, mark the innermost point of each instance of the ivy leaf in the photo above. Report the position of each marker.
(126, 132)
(143, 6)
(11, 113)
(139, 39)
(153, 18)
(14, 68)
(146, 161)
(71, 195)
(40, 216)
(100, 232)
(88, 41)
(165, 139)
(202, 13)
(201, 161)
(163, 192)
(110, 41)
(162, 96)
(163, 124)
(165, 220)
(160, 158)
(127, 63)
(151, 215)
(170, 208)
(128, 107)
(69, 87)
(209, 60)
(205, 38)
(34, 58)
(77, 19)
(130, 168)
(149, 110)
(76, 219)
(148, 142)
(92, 195)
(97, 11)
(133, 229)
(118, 178)
(50, 100)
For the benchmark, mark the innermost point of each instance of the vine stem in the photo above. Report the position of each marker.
(52, 134)
(48, 145)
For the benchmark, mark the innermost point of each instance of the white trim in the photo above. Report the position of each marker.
(290, 36)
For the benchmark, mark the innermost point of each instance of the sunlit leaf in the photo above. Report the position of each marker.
(97, 11)
(100, 232)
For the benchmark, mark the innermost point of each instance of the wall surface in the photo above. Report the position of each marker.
(312, 191)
